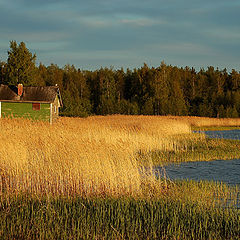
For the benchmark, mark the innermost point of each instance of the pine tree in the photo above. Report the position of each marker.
(3, 69)
(161, 91)
(75, 93)
(20, 65)
(107, 92)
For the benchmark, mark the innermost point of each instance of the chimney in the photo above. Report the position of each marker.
(20, 89)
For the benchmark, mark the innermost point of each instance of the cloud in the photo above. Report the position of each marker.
(225, 35)
(103, 32)
(140, 22)
(184, 48)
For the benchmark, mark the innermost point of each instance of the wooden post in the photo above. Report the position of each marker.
(50, 113)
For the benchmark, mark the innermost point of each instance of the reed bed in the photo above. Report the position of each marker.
(85, 179)
(98, 155)
(93, 156)
(210, 122)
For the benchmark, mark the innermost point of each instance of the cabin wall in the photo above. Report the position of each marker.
(25, 110)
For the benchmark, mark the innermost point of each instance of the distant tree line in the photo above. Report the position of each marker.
(164, 90)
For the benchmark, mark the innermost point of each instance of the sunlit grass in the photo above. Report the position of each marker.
(198, 150)
(93, 156)
(215, 128)
(211, 122)
(98, 155)
(26, 217)
(82, 179)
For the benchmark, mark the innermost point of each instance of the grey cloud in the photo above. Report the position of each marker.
(73, 29)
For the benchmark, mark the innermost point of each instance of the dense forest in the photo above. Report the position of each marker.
(163, 90)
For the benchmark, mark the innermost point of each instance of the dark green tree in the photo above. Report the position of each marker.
(53, 76)
(107, 92)
(234, 80)
(21, 65)
(236, 97)
(162, 90)
(177, 103)
(75, 93)
(42, 75)
(3, 72)
(147, 85)
(120, 84)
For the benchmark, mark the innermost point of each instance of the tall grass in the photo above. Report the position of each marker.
(208, 122)
(82, 179)
(77, 156)
(96, 155)
(78, 218)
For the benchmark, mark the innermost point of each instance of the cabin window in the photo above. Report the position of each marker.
(36, 106)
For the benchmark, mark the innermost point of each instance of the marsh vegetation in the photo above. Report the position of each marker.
(87, 179)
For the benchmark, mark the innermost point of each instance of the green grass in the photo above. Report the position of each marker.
(197, 150)
(215, 128)
(186, 210)
(27, 217)
(206, 193)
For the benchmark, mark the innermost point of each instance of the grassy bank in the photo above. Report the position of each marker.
(211, 122)
(215, 128)
(199, 150)
(81, 179)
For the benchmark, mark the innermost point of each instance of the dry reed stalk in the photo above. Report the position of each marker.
(206, 121)
(92, 156)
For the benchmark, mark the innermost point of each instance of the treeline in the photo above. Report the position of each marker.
(164, 90)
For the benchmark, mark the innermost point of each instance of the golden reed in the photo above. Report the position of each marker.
(83, 156)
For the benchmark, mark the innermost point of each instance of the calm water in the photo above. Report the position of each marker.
(227, 134)
(226, 171)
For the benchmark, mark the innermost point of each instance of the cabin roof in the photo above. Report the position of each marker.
(30, 94)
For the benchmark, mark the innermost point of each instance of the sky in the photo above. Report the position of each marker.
(124, 33)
